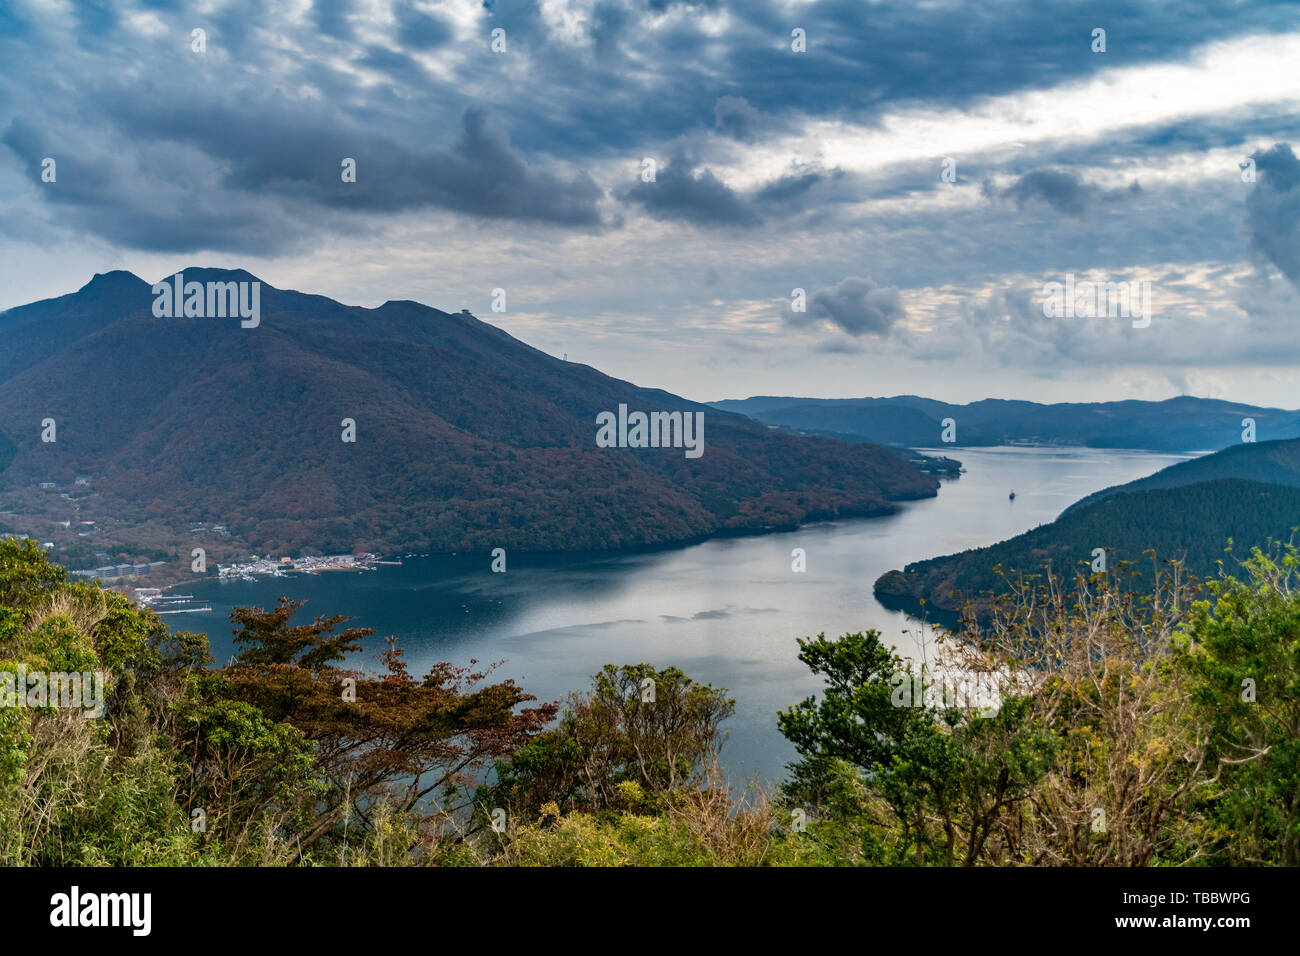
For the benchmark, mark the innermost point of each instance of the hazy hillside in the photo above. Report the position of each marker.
(1192, 523)
(1276, 462)
(1177, 424)
(886, 424)
(466, 437)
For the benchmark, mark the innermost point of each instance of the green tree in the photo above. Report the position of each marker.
(658, 729)
(948, 778)
(418, 744)
(1242, 651)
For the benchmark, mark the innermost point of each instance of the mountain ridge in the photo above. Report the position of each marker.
(466, 437)
(1183, 423)
(1202, 502)
(1273, 462)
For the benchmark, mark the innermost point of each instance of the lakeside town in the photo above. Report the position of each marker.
(62, 517)
(257, 566)
(162, 601)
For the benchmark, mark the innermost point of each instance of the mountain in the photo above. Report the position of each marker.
(1176, 424)
(885, 424)
(1192, 523)
(466, 438)
(1275, 462)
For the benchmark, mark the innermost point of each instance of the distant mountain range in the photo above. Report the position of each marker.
(1247, 494)
(466, 438)
(1176, 424)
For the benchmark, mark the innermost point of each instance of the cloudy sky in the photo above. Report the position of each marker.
(919, 169)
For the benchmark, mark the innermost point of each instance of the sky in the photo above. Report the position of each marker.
(650, 182)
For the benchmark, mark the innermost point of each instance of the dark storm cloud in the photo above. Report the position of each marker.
(1280, 168)
(609, 19)
(483, 175)
(521, 19)
(419, 30)
(298, 158)
(1206, 132)
(1273, 210)
(692, 195)
(258, 132)
(736, 118)
(234, 27)
(796, 182)
(264, 159)
(331, 18)
(1064, 191)
(855, 305)
(269, 187)
(864, 59)
(639, 78)
(89, 175)
(94, 18)
(115, 193)
(395, 65)
(660, 6)
(687, 192)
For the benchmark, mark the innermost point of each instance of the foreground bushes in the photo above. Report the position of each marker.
(1134, 729)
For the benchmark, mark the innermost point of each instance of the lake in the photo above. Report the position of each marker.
(727, 612)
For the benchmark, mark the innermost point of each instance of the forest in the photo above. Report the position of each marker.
(1190, 527)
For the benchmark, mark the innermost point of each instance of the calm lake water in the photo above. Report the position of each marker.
(726, 612)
